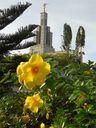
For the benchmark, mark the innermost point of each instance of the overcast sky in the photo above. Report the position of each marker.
(73, 12)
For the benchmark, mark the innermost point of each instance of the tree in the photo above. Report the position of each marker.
(80, 38)
(80, 42)
(13, 41)
(67, 36)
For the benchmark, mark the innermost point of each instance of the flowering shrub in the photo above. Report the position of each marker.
(66, 99)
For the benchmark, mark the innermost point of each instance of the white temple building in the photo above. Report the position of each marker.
(43, 36)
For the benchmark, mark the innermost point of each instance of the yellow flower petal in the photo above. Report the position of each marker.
(20, 79)
(35, 109)
(26, 67)
(47, 116)
(19, 68)
(35, 59)
(29, 84)
(42, 125)
(45, 68)
(37, 96)
(39, 79)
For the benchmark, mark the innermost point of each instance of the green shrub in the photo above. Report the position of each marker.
(8, 78)
(70, 102)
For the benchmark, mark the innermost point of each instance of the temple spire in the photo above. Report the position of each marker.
(43, 36)
(44, 7)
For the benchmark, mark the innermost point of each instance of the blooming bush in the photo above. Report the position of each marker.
(65, 99)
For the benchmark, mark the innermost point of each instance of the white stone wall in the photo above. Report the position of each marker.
(41, 49)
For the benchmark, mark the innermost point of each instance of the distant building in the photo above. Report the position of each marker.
(43, 36)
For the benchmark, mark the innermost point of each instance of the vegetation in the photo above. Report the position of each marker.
(67, 36)
(8, 72)
(9, 64)
(80, 38)
(80, 41)
(69, 96)
(13, 41)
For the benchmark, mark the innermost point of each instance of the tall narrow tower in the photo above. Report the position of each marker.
(43, 36)
(43, 24)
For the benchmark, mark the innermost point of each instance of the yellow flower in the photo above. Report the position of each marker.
(47, 115)
(33, 103)
(33, 72)
(25, 119)
(42, 125)
(49, 92)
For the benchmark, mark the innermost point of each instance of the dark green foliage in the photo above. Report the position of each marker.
(60, 58)
(8, 78)
(13, 41)
(9, 114)
(72, 102)
(80, 38)
(11, 62)
(75, 92)
(67, 34)
(9, 15)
